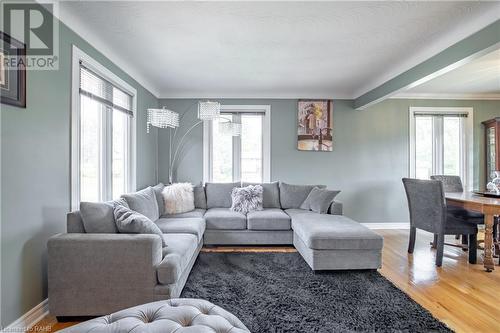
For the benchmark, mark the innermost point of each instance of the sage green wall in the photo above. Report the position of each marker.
(35, 174)
(369, 158)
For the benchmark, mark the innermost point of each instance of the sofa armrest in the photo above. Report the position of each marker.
(111, 261)
(336, 208)
(95, 274)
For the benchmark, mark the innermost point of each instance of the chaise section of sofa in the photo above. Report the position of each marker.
(333, 242)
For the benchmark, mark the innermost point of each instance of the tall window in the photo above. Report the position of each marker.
(102, 133)
(440, 142)
(234, 158)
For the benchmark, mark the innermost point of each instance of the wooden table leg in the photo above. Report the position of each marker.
(489, 264)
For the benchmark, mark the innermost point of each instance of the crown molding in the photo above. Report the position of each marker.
(75, 24)
(251, 95)
(485, 97)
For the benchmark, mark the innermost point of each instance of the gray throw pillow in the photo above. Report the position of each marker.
(292, 196)
(144, 202)
(246, 199)
(200, 198)
(319, 200)
(159, 198)
(98, 217)
(271, 194)
(219, 194)
(131, 222)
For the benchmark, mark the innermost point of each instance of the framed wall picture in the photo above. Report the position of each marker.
(12, 71)
(315, 125)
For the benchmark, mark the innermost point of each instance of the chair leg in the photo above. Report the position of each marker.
(464, 242)
(434, 242)
(473, 249)
(495, 228)
(411, 244)
(440, 249)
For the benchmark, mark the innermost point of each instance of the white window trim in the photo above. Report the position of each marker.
(266, 139)
(77, 56)
(467, 163)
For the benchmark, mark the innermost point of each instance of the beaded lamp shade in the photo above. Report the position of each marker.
(162, 118)
(208, 110)
(230, 128)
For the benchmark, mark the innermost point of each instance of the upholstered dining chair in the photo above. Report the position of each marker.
(428, 212)
(454, 184)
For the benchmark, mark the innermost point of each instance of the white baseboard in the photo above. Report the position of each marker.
(391, 225)
(29, 319)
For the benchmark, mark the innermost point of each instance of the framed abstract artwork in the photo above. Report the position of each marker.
(315, 125)
(12, 80)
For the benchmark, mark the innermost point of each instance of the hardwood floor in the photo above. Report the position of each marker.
(461, 295)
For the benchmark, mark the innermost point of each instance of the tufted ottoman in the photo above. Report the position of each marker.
(181, 315)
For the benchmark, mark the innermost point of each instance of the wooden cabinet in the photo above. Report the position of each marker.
(492, 140)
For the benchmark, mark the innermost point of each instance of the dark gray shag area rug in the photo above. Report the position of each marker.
(278, 293)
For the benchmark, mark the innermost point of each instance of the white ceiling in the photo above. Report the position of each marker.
(272, 49)
(479, 78)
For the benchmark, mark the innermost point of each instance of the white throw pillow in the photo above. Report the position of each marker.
(179, 198)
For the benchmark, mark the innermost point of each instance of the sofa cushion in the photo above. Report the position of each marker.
(200, 198)
(131, 222)
(319, 200)
(197, 212)
(188, 225)
(268, 219)
(333, 232)
(219, 194)
(98, 217)
(159, 198)
(292, 196)
(270, 195)
(224, 218)
(176, 257)
(144, 202)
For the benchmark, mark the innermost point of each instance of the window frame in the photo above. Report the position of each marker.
(266, 141)
(106, 165)
(467, 143)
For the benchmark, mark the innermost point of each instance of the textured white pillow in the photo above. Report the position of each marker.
(247, 199)
(179, 198)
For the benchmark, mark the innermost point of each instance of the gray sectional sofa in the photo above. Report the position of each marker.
(91, 274)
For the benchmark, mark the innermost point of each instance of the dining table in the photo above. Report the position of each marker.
(490, 207)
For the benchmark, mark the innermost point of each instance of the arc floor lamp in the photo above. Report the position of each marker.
(165, 118)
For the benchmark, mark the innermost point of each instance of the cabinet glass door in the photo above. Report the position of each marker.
(490, 151)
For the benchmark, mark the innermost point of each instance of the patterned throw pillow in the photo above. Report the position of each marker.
(246, 199)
